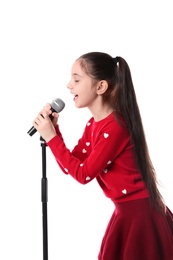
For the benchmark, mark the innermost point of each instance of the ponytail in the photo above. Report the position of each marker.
(127, 106)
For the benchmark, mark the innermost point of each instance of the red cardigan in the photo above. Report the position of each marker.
(104, 152)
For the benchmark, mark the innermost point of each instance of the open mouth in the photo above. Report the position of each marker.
(75, 97)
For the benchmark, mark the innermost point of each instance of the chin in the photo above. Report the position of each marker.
(79, 105)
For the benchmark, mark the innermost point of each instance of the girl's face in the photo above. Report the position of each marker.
(81, 87)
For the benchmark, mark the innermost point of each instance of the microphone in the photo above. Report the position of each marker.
(57, 106)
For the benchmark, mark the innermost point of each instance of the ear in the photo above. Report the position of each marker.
(102, 86)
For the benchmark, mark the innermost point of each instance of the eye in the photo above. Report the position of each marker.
(76, 78)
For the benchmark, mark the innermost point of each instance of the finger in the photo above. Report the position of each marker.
(47, 108)
(40, 117)
(45, 113)
(37, 120)
(55, 114)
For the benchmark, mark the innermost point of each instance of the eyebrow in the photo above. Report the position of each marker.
(75, 74)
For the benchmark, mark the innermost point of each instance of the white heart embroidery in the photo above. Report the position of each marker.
(87, 178)
(66, 169)
(124, 191)
(106, 135)
(84, 151)
(81, 164)
(88, 143)
(109, 162)
(88, 123)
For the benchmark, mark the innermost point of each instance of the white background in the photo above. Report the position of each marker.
(39, 41)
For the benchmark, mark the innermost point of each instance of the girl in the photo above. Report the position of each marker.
(113, 150)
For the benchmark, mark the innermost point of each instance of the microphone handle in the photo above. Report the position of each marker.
(32, 131)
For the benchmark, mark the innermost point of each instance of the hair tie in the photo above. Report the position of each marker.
(116, 60)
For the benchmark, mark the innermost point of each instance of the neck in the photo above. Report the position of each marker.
(100, 111)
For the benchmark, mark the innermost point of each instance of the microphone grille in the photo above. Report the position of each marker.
(58, 105)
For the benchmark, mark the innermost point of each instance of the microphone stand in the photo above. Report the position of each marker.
(44, 199)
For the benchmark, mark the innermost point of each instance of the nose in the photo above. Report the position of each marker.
(69, 86)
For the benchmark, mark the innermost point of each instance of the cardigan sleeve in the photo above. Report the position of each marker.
(58, 132)
(91, 156)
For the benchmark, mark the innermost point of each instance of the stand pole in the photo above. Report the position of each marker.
(44, 199)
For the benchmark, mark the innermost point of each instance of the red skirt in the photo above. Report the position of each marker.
(136, 231)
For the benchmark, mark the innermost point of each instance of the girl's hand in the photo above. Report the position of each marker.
(54, 115)
(43, 123)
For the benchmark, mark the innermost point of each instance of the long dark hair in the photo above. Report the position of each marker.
(122, 98)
